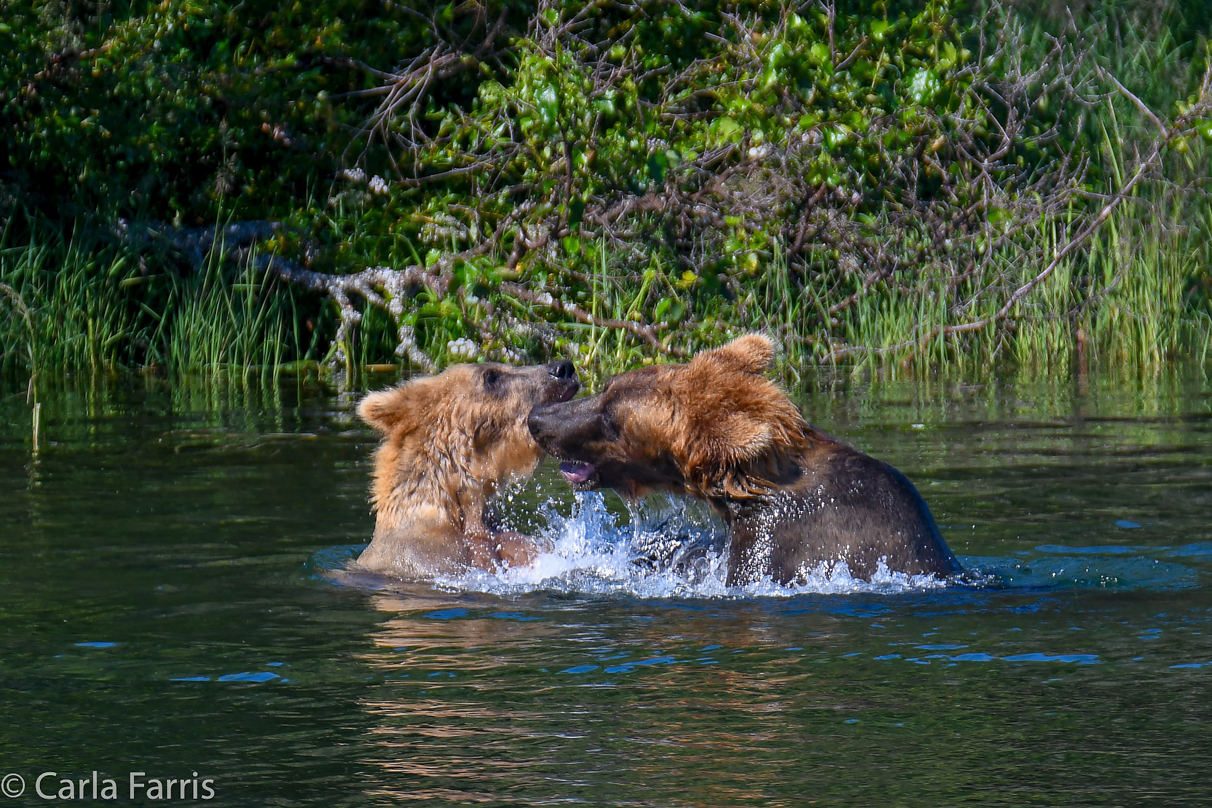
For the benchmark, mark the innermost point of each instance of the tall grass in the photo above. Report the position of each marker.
(218, 321)
(1137, 297)
(1135, 301)
(76, 316)
(1132, 301)
(75, 304)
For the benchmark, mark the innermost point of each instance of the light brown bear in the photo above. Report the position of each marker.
(449, 443)
(793, 497)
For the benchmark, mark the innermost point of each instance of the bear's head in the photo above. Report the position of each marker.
(713, 428)
(463, 430)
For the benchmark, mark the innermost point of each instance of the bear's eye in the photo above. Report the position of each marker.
(492, 380)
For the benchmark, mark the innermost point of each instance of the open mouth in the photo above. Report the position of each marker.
(579, 475)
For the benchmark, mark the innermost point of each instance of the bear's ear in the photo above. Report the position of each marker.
(391, 410)
(735, 421)
(737, 438)
(751, 353)
(729, 440)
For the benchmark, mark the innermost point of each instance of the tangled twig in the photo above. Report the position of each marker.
(1167, 134)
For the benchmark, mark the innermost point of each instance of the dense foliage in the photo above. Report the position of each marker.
(608, 180)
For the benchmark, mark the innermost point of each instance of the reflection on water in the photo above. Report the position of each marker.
(173, 603)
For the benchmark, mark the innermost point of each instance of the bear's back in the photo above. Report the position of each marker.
(843, 506)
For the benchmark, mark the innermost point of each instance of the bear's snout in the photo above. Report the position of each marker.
(562, 382)
(537, 422)
(566, 429)
(557, 427)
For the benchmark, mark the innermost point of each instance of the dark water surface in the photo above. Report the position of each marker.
(167, 606)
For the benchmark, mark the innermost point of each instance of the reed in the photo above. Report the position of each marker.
(80, 304)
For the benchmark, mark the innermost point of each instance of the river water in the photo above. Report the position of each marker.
(174, 602)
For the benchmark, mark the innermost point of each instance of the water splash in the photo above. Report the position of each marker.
(669, 548)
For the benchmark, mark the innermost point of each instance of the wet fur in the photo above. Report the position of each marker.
(450, 442)
(794, 498)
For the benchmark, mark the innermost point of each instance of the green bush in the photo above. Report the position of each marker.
(616, 182)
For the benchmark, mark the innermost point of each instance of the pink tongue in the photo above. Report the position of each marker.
(576, 472)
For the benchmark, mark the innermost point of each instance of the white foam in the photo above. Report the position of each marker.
(671, 548)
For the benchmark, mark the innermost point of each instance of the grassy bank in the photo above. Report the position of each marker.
(1137, 301)
(79, 304)
(849, 183)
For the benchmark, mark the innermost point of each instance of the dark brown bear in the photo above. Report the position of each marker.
(794, 498)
